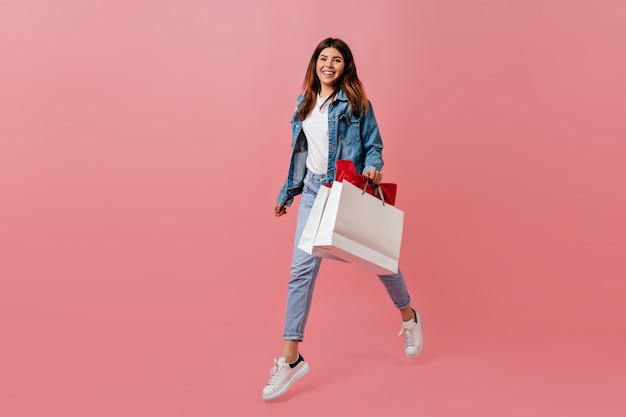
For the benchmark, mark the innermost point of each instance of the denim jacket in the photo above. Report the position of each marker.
(355, 138)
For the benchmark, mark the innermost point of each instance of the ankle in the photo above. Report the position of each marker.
(290, 350)
(292, 358)
(407, 314)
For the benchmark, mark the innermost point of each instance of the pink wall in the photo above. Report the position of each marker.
(142, 145)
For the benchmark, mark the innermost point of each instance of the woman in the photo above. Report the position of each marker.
(333, 120)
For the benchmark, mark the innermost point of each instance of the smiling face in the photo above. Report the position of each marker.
(329, 68)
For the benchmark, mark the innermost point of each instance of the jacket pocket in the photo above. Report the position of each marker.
(349, 128)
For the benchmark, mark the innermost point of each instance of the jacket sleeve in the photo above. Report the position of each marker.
(371, 141)
(282, 198)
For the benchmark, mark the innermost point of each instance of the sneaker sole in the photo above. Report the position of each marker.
(302, 372)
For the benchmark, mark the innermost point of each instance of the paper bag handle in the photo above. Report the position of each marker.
(376, 191)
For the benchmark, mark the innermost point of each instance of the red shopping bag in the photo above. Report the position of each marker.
(346, 171)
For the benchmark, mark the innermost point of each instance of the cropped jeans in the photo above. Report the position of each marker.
(304, 269)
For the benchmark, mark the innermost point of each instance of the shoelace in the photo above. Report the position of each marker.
(409, 336)
(274, 372)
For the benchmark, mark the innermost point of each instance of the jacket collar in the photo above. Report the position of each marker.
(341, 96)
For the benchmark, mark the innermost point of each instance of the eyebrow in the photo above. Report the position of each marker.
(336, 56)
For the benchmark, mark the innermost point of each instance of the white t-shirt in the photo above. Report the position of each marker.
(315, 128)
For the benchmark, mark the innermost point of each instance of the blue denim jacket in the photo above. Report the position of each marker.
(355, 138)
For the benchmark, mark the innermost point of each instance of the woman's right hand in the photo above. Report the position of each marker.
(279, 210)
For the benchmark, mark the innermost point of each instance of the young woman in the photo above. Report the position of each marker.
(333, 120)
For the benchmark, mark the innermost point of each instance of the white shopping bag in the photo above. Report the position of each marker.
(312, 224)
(359, 228)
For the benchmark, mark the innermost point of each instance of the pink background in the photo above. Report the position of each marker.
(142, 145)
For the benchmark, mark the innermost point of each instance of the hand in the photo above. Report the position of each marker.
(279, 210)
(373, 176)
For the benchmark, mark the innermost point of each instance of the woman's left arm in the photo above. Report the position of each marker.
(372, 142)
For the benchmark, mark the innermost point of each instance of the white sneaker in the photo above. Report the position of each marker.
(413, 339)
(282, 375)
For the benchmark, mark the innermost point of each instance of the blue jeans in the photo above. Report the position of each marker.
(304, 269)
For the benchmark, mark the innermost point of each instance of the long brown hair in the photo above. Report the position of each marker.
(349, 82)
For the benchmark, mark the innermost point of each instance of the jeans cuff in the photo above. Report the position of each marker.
(293, 336)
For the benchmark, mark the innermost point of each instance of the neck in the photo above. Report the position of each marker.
(326, 91)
